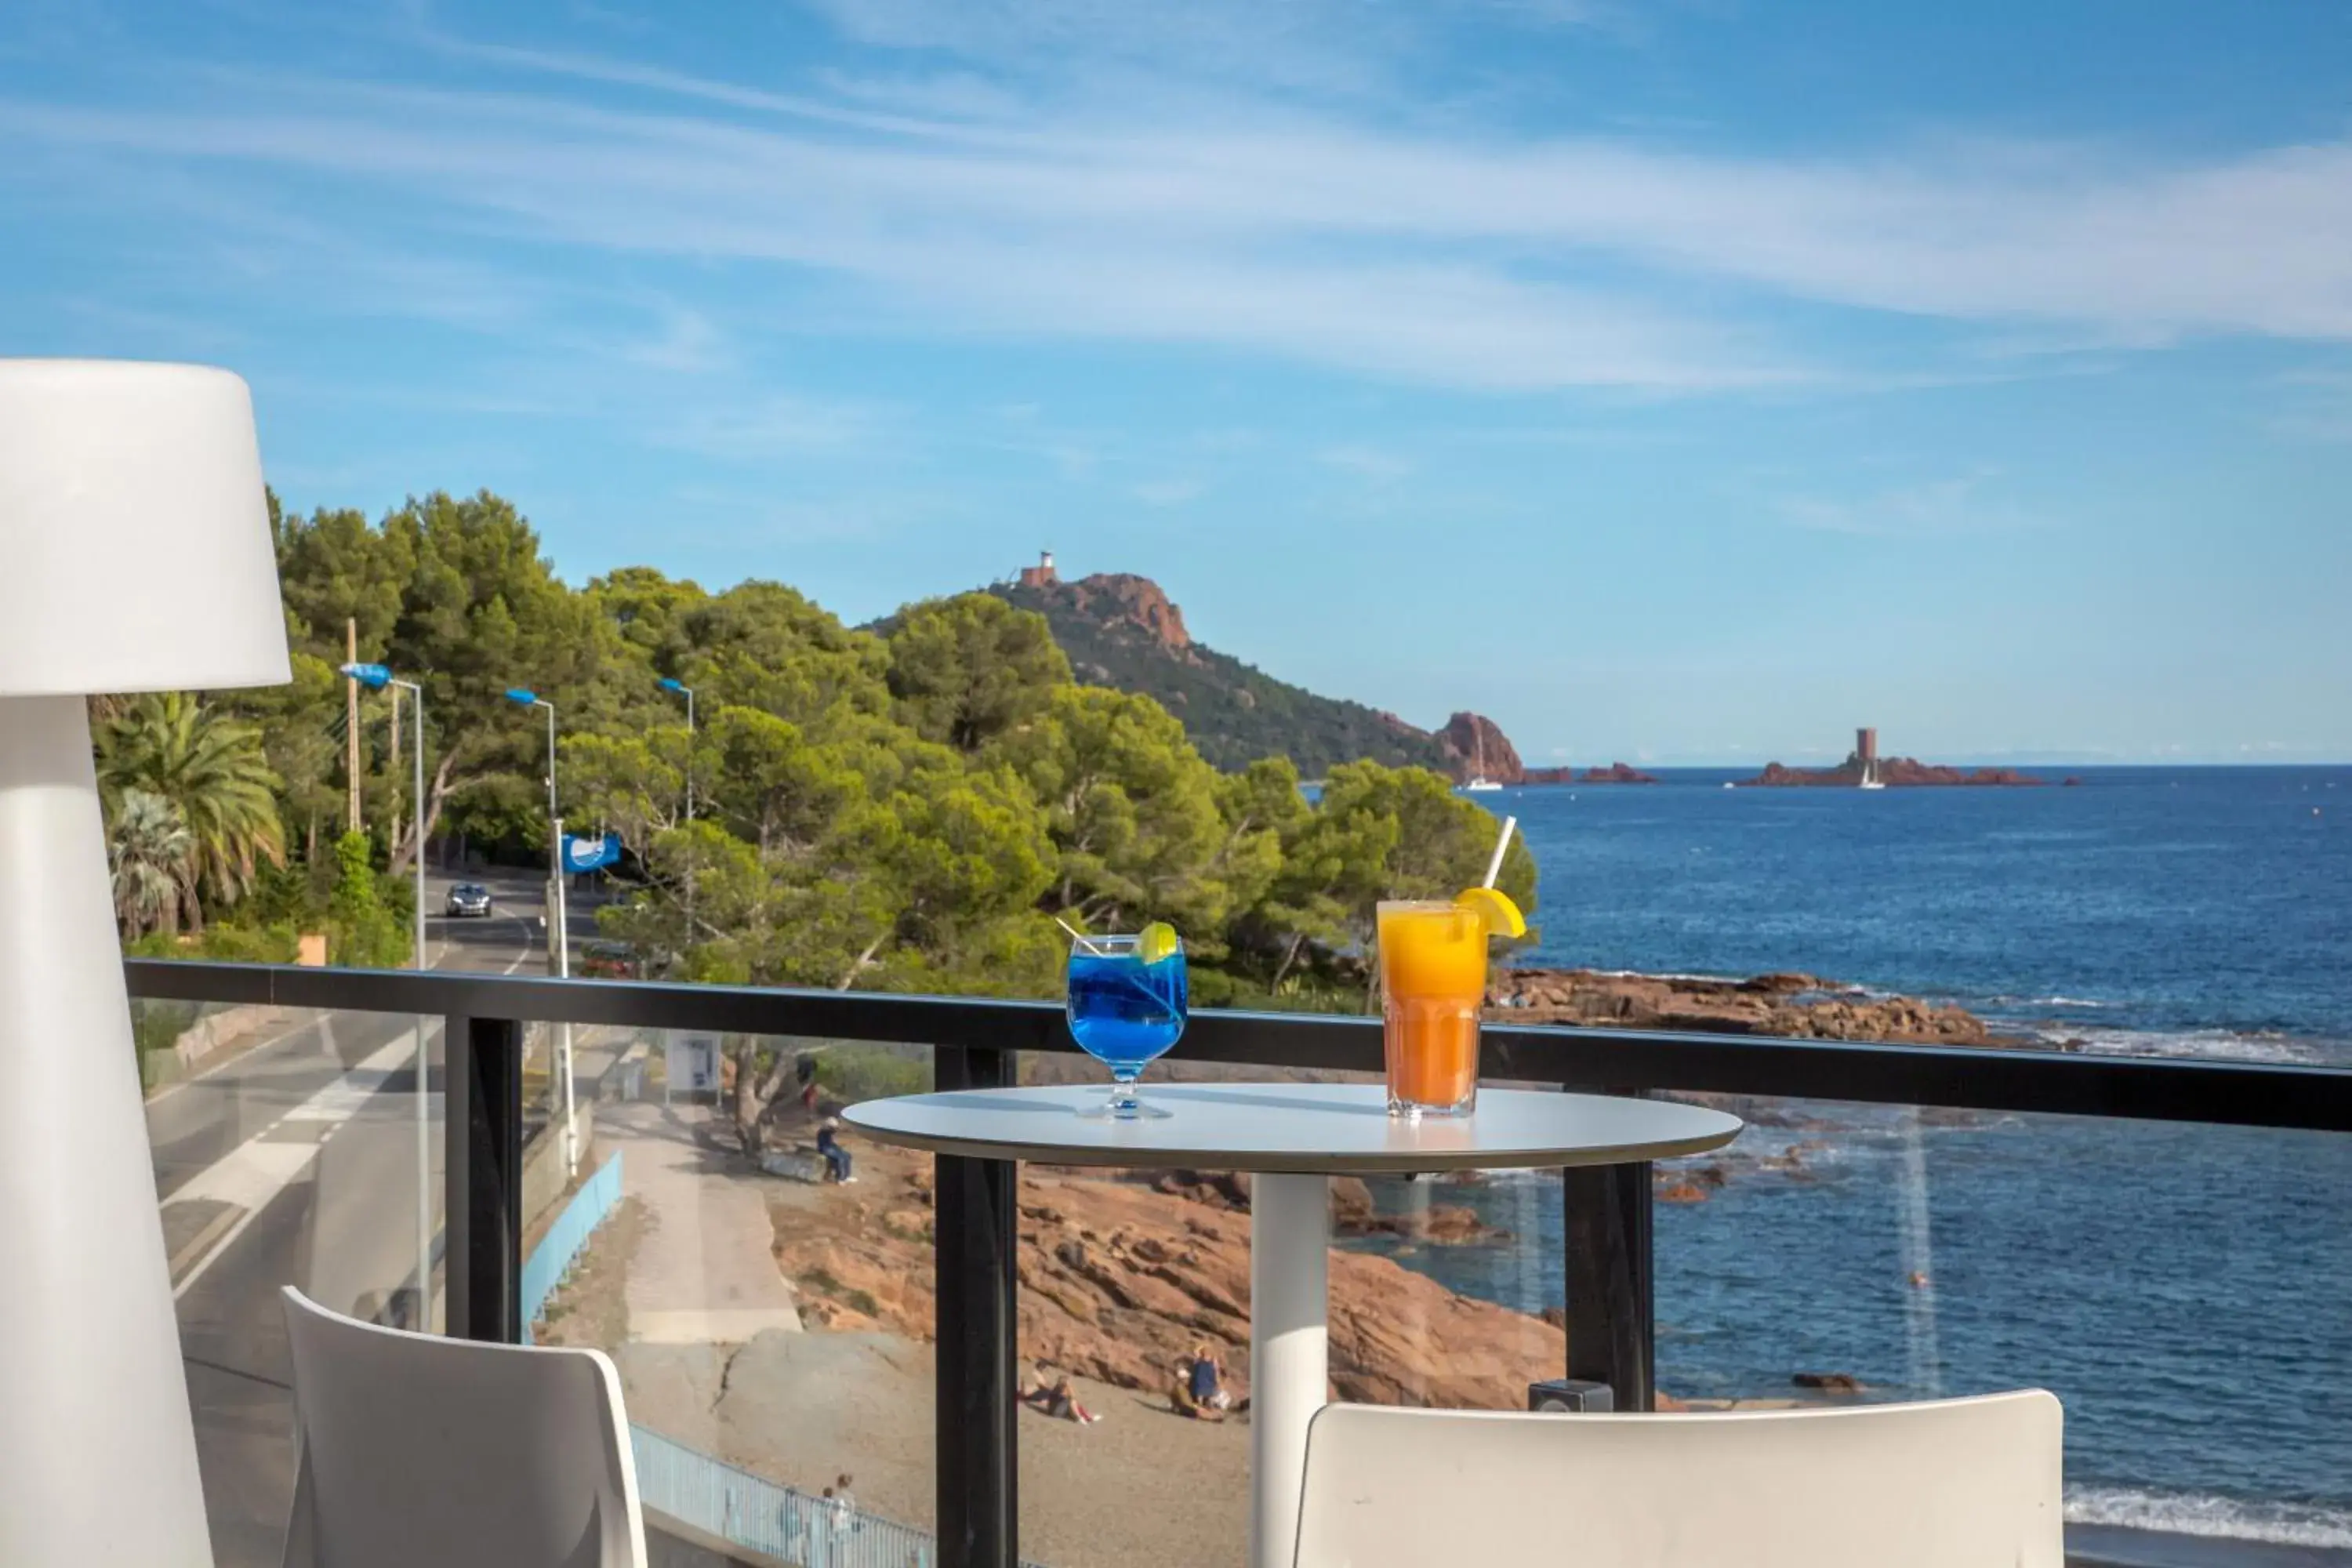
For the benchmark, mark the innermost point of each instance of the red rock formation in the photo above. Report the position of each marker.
(1119, 1282)
(1477, 743)
(1797, 1006)
(1123, 597)
(1617, 773)
(1896, 773)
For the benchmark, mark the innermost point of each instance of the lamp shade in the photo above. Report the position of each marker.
(134, 531)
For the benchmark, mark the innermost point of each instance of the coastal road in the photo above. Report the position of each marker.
(295, 1162)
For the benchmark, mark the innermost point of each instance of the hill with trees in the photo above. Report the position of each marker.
(1121, 631)
(910, 808)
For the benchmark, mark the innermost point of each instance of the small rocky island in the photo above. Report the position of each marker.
(1864, 768)
(1895, 772)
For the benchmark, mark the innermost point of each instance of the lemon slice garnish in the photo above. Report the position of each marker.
(1157, 942)
(1494, 908)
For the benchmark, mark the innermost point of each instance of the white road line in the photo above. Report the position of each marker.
(288, 1033)
(312, 1015)
(525, 953)
(257, 1169)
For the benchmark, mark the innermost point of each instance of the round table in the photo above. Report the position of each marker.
(1293, 1137)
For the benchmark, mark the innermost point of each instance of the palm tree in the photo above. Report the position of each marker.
(210, 769)
(151, 849)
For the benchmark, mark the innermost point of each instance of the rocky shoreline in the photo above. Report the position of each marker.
(1793, 1006)
(1122, 1276)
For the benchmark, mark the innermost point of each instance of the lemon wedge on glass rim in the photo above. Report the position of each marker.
(1494, 908)
(1156, 942)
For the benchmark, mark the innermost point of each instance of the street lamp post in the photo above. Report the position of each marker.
(559, 923)
(672, 684)
(375, 678)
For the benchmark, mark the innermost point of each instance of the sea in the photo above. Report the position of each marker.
(2186, 1290)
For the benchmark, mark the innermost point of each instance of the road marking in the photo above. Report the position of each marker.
(288, 1033)
(312, 1015)
(260, 1168)
(525, 951)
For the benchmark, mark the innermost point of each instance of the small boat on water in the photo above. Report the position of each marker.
(1479, 782)
(1870, 779)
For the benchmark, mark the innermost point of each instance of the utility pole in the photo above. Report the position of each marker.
(351, 720)
(559, 935)
(392, 836)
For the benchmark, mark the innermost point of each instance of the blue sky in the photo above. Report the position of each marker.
(1669, 381)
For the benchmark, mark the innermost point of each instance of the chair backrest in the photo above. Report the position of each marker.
(417, 1449)
(1961, 1483)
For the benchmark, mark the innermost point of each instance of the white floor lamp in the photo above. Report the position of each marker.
(135, 556)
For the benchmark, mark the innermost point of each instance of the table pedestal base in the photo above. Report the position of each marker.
(1290, 1244)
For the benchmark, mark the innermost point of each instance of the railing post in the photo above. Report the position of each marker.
(482, 1136)
(976, 1232)
(1612, 1306)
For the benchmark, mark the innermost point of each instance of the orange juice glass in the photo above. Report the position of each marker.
(1432, 980)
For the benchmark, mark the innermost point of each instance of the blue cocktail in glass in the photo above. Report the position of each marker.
(1127, 996)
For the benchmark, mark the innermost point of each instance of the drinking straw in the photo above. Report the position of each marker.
(1494, 866)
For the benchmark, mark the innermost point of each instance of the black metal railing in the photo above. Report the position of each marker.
(1607, 1231)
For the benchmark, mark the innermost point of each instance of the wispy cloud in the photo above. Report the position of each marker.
(767, 428)
(1168, 492)
(1937, 509)
(1453, 258)
(2318, 406)
(1365, 462)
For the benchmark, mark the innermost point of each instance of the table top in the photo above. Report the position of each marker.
(1297, 1127)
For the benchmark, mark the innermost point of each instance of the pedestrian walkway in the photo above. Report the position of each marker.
(705, 1270)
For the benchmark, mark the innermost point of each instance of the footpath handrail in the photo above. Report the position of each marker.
(2258, 1094)
(1608, 1280)
(550, 1263)
(778, 1522)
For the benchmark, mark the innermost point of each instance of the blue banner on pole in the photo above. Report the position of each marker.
(591, 854)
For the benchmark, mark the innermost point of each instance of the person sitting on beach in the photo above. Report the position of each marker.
(1063, 1403)
(828, 1143)
(1206, 1380)
(1180, 1400)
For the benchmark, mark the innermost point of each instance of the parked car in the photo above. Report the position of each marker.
(469, 898)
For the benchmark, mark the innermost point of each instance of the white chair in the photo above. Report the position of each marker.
(1961, 1483)
(422, 1450)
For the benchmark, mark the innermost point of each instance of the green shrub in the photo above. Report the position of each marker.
(871, 1072)
(250, 944)
(155, 1026)
(362, 933)
(849, 1296)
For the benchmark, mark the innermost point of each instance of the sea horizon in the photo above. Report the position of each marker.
(2185, 911)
